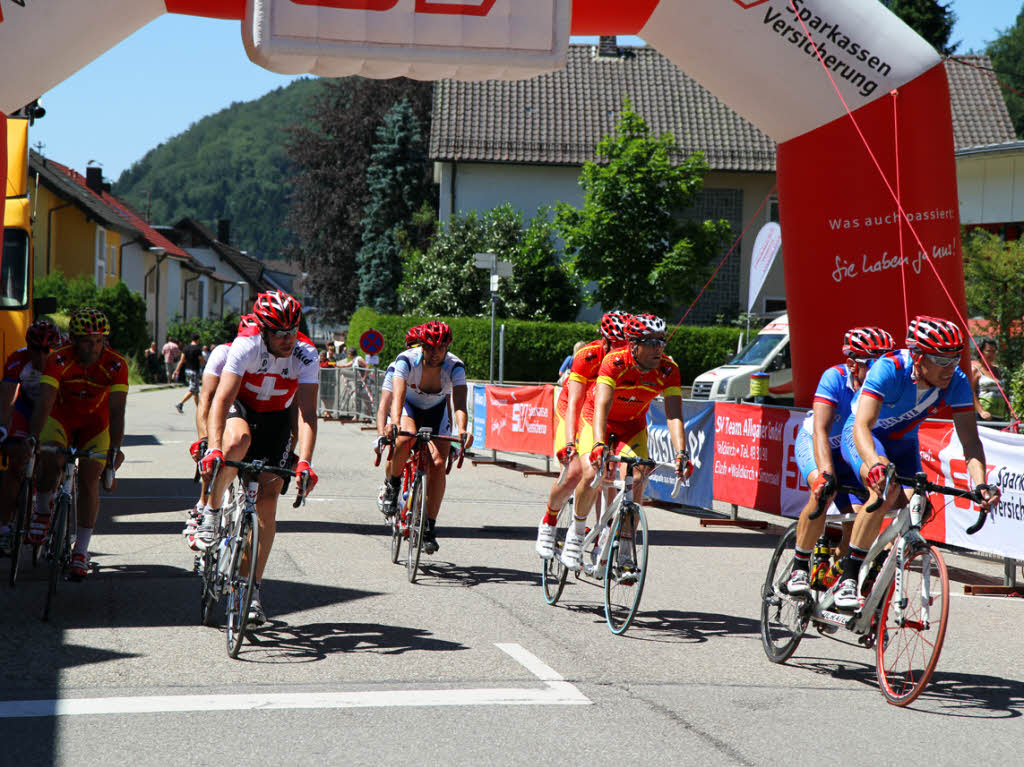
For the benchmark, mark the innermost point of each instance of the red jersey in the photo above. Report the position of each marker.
(585, 364)
(633, 388)
(84, 391)
(20, 370)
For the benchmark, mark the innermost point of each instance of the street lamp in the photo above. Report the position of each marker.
(498, 269)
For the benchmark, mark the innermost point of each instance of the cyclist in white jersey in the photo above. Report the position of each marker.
(424, 379)
(249, 418)
(247, 326)
(384, 406)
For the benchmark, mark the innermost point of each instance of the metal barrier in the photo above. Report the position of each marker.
(350, 392)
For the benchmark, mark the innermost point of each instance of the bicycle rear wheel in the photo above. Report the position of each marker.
(909, 648)
(783, 622)
(626, 568)
(417, 519)
(244, 542)
(21, 513)
(58, 551)
(552, 572)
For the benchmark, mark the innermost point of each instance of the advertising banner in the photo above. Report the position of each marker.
(749, 443)
(700, 437)
(766, 247)
(478, 405)
(521, 419)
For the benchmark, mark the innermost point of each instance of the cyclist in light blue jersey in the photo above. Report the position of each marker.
(900, 391)
(424, 379)
(817, 448)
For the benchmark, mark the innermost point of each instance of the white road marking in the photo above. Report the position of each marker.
(555, 692)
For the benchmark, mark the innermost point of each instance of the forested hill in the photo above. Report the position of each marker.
(232, 165)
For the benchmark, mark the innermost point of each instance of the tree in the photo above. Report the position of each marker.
(931, 19)
(1007, 54)
(397, 188)
(994, 273)
(444, 279)
(631, 238)
(331, 151)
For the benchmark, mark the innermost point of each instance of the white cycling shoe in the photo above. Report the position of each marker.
(546, 540)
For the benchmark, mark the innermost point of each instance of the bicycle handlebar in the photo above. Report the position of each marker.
(259, 467)
(632, 462)
(831, 489)
(424, 435)
(919, 482)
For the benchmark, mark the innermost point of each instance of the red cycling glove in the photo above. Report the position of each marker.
(209, 460)
(567, 453)
(684, 466)
(597, 454)
(823, 485)
(197, 449)
(876, 474)
(311, 482)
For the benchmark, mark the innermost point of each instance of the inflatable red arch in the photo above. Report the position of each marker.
(857, 101)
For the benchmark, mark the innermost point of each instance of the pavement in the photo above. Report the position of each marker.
(468, 666)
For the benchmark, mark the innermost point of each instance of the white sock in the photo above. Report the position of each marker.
(579, 525)
(82, 541)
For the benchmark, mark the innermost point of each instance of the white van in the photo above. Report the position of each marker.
(767, 352)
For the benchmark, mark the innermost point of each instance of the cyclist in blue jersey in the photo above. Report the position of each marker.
(817, 448)
(412, 338)
(424, 379)
(900, 391)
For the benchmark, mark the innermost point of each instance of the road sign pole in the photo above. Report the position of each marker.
(494, 303)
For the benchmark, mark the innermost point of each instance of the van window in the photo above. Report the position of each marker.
(757, 351)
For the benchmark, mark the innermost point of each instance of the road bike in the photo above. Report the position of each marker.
(616, 546)
(409, 523)
(22, 514)
(221, 565)
(59, 544)
(903, 582)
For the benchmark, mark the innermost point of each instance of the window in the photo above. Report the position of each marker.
(112, 261)
(14, 270)
(772, 209)
(101, 258)
(772, 305)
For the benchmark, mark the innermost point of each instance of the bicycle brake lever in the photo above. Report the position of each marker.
(300, 490)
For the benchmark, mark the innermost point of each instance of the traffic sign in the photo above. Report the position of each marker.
(371, 342)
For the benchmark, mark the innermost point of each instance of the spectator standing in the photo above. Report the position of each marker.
(192, 360)
(331, 358)
(563, 371)
(152, 363)
(172, 353)
(988, 400)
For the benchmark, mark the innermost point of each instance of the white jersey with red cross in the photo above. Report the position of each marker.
(269, 383)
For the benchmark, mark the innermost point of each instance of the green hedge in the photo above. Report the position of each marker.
(534, 350)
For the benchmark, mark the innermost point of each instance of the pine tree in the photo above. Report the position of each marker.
(931, 19)
(397, 188)
(1007, 53)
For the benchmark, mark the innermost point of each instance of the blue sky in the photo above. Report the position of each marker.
(178, 69)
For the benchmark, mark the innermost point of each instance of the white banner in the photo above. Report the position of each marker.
(766, 247)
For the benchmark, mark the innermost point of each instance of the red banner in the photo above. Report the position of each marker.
(521, 419)
(748, 455)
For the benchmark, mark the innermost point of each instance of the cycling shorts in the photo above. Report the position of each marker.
(806, 463)
(630, 438)
(18, 427)
(904, 453)
(270, 434)
(91, 435)
(560, 440)
(436, 417)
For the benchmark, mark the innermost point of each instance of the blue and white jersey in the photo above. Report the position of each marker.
(836, 389)
(904, 406)
(389, 375)
(409, 368)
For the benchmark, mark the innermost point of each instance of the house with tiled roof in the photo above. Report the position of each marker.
(82, 229)
(525, 142)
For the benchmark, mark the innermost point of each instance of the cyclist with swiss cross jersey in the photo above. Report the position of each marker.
(818, 454)
(900, 391)
(582, 374)
(81, 402)
(249, 419)
(18, 392)
(627, 382)
(424, 379)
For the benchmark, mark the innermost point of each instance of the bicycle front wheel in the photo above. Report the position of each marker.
(21, 515)
(552, 572)
(58, 551)
(208, 596)
(783, 620)
(626, 568)
(909, 644)
(417, 520)
(244, 542)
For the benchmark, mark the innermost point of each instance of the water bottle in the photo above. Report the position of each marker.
(108, 478)
(224, 555)
(600, 547)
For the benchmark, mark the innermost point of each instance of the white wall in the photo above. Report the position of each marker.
(481, 186)
(991, 186)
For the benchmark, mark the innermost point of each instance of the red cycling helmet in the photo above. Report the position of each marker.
(276, 310)
(436, 333)
(934, 335)
(867, 343)
(42, 334)
(248, 325)
(613, 326)
(643, 325)
(412, 336)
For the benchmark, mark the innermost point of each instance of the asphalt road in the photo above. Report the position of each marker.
(468, 666)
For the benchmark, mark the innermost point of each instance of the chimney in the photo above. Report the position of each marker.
(94, 179)
(224, 230)
(607, 47)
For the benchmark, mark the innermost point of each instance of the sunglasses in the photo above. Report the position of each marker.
(657, 343)
(941, 361)
(284, 333)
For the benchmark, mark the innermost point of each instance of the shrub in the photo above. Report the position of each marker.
(211, 330)
(535, 350)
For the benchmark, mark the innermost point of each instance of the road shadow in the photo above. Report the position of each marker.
(441, 573)
(279, 642)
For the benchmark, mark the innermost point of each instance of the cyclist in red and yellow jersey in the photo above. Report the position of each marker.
(628, 381)
(82, 395)
(585, 365)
